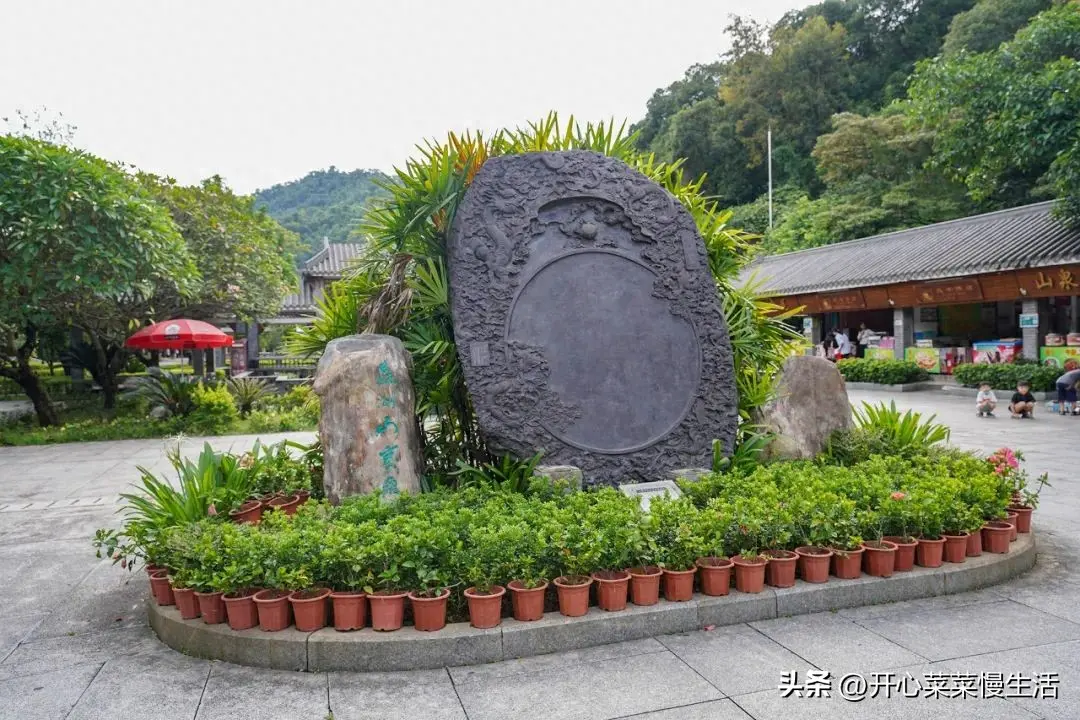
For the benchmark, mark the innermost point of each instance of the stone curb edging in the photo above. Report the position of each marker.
(905, 387)
(460, 644)
(1040, 395)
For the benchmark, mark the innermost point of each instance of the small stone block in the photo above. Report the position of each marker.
(556, 633)
(405, 649)
(647, 490)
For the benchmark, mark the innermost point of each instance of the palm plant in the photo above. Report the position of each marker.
(902, 431)
(247, 391)
(399, 286)
(173, 394)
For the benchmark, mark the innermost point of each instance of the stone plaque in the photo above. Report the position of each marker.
(646, 491)
(588, 288)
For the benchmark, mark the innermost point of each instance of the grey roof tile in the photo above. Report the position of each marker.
(1013, 239)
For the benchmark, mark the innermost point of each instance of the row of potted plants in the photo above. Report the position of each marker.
(274, 609)
(777, 522)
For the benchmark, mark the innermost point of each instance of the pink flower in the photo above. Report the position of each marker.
(898, 495)
(211, 510)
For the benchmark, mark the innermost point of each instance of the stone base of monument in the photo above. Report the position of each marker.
(460, 644)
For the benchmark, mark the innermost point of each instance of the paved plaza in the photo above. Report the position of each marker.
(74, 640)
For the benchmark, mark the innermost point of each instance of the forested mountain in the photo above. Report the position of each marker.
(852, 92)
(324, 203)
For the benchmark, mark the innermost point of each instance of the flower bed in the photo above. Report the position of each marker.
(455, 553)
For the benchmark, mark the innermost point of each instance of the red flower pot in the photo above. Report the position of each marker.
(249, 512)
(429, 613)
(387, 610)
(485, 609)
(286, 505)
(995, 537)
(612, 587)
(974, 544)
(814, 563)
(715, 575)
(240, 609)
(904, 558)
(211, 607)
(879, 558)
(573, 596)
(303, 496)
(350, 609)
(528, 603)
(847, 564)
(679, 584)
(780, 570)
(749, 574)
(929, 552)
(645, 585)
(150, 569)
(1013, 519)
(309, 609)
(161, 589)
(273, 609)
(955, 550)
(1023, 517)
(186, 603)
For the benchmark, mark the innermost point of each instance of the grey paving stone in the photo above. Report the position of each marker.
(735, 659)
(13, 630)
(539, 663)
(711, 710)
(425, 694)
(836, 643)
(556, 633)
(988, 627)
(45, 695)
(769, 705)
(164, 687)
(42, 655)
(605, 689)
(108, 598)
(41, 574)
(1063, 659)
(241, 693)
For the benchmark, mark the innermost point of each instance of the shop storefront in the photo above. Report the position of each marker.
(990, 288)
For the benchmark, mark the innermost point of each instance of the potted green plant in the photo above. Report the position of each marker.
(645, 574)
(847, 543)
(578, 555)
(679, 545)
(747, 532)
(928, 516)
(613, 520)
(345, 556)
(425, 565)
(714, 569)
(485, 557)
(530, 570)
(814, 555)
(897, 522)
(780, 570)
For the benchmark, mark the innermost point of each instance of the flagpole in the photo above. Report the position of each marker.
(769, 137)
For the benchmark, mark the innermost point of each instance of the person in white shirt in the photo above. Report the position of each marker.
(985, 401)
(864, 337)
(844, 348)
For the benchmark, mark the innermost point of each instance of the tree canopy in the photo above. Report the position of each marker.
(324, 203)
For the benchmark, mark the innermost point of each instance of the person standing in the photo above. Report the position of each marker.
(864, 337)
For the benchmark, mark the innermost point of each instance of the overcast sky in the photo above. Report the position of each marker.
(265, 91)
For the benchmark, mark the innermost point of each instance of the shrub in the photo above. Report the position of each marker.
(247, 391)
(882, 372)
(214, 410)
(1005, 376)
(170, 393)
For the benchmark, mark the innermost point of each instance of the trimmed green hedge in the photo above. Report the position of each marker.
(1005, 377)
(882, 372)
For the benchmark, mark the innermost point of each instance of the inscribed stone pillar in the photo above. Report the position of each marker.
(1032, 336)
(368, 427)
(903, 331)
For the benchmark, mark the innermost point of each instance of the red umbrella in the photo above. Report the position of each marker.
(179, 334)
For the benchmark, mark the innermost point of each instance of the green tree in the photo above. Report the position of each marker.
(1007, 122)
(78, 239)
(990, 23)
(244, 257)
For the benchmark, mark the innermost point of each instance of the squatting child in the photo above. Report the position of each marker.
(985, 401)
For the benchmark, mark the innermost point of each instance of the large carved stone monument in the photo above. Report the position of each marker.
(368, 424)
(587, 319)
